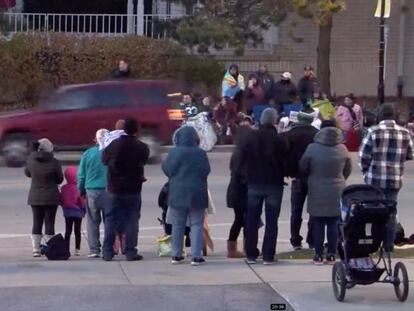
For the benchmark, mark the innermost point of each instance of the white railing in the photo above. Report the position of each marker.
(155, 26)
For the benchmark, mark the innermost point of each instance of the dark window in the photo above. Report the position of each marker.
(114, 97)
(74, 100)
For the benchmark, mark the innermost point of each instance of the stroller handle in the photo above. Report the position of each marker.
(391, 204)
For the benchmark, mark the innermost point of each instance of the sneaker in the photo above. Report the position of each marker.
(136, 257)
(107, 258)
(77, 252)
(94, 255)
(268, 262)
(318, 260)
(177, 260)
(251, 261)
(37, 254)
(330, 260)
(198, 261)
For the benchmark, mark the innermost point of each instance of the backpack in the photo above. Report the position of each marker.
(57, 248)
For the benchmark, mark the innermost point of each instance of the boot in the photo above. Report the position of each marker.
(36, 239)
(232, 251)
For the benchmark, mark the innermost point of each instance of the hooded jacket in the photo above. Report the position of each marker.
(231, 86)
(327, 164)
(187, 168)
(46, 174)
(72, 203)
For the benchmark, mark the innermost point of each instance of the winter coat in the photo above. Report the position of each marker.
(236, 196)
(72, 203)
(92, 173)
(284, 92)
(345, 118)
(254, 96)
(125, 158)
(306, 88)
(118, 74)
(266, 81)
(230, 86)
(187, 168)
(264, 154)
(298, 138)
(327, 164)
(46, 174)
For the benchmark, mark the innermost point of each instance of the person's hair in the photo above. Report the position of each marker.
(387, 112)
(120, 124)
(131, 126)
(269, 117)
(328, 123)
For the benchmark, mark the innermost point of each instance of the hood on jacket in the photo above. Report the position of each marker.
(71, 175)
(329, 136)
(186, 136)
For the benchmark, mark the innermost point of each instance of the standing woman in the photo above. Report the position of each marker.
(233, 86)
(46, 174)
(237, 191)
(187, 168)
(351, 121)
(327, 164)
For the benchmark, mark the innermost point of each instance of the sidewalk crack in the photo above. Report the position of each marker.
(124, 273)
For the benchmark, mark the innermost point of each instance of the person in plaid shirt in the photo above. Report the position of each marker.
(382, 156)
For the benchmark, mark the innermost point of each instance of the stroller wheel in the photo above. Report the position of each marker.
(401, 281)
(339, 281)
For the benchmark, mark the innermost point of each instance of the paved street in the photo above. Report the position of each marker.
(36, 284)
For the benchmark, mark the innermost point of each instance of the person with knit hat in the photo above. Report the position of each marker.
(44, 197)
(92, 183)
(298, 138)
(263, 154)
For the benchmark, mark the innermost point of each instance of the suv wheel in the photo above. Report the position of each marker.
(15, 149)
(154, 147)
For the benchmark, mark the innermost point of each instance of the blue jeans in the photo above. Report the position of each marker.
(94, 211)
(298, 196)
(319, 224)
(123, 215)
(271, 196)
(392, 195)
(178, 219)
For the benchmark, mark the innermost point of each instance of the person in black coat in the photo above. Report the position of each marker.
(123, 71)
(237, 192)
(44, 198)
(284, 92)
(298, 139)
(308, 85)
(266, 81)
(264, 154)
(125, 158)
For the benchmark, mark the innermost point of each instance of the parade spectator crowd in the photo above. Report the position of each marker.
(282, 133)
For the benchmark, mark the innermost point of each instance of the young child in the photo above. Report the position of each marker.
(73, 207)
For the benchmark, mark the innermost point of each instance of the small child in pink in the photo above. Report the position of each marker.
(73, 207)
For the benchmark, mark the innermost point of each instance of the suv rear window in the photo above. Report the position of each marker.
(154, 94)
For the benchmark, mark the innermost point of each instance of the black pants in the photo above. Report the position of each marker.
(238, 224)
(70, 223)
(44, 214)
(298, 196)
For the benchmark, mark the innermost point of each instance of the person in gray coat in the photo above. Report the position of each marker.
(327, 164)
(46, 174)
(187, 168)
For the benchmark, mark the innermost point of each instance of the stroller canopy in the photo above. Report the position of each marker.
(355, 193)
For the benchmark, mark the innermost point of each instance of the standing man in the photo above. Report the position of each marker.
(266, 81)
(125, 158)
(284, 92)
(307, 85)
(92, 183)
(298, 139)
(264, 154)
(382, 156)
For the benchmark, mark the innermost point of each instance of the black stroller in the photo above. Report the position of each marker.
(365, 213)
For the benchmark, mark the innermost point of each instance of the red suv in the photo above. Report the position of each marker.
(71, 115)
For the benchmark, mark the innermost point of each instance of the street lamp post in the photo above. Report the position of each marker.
(381, 86)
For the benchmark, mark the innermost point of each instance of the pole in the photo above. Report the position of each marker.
(381, 73)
